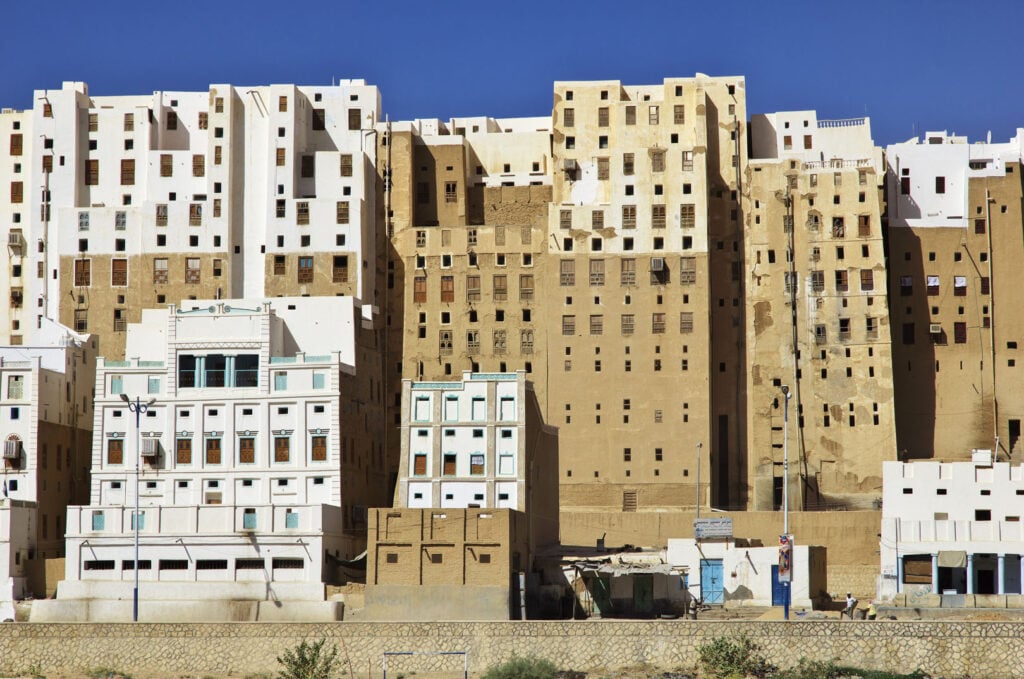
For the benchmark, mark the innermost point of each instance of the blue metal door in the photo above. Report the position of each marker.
(778, 588)
(711, 581)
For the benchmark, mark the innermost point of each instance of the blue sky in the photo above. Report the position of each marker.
(909, 64)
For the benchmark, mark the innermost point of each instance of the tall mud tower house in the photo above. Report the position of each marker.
(600, 251)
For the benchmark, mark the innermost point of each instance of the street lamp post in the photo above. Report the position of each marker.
(138, 407)
(785, 490)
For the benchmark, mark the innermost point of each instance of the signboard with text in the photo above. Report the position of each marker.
(720, 527)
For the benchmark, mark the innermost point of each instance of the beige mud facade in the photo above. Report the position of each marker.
(819, 325)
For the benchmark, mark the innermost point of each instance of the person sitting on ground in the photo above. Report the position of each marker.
(851, 605)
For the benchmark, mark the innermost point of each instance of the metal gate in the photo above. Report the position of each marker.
(711, 581)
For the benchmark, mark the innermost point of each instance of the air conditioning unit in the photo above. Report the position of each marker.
(569, 164)
(657, 263)
(935, 329)
(14, 239)
(12, 450)
(150, 447)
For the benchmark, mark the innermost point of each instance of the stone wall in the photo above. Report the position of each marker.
(943, 649)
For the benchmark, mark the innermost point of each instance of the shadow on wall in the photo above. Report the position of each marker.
(913, 355)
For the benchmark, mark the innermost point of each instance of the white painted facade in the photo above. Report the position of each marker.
(952, 527)
(16, 184)
(799, 135)
(747, 575)
(927, 180)
(463, 443)
(225, 170)
(240, 480)
(45, 409)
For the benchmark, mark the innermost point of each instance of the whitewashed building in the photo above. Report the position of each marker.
(725, 571)
(477, 497)
(45, 420)
(246, 464)
(133, 202)
(464, 445)
(952, 527)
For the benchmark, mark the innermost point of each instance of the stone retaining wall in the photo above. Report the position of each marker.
(942, 649)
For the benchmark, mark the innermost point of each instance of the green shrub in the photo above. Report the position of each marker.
(529, 667)
(308, 661)
(107, 673)
(736, 657)
(811, 669)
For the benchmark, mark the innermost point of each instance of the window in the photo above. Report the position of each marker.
(192, 270)
(346, 165)
(627, 164)
(212, 451)
(448, 288)
(565, 219)
(183, 451)
(940, 185)
(652, 115)
(195, 214)
(341, 212)
(960, 333)
(282, 448)
(318, 444)
(339, 270)
(500, 288)
(127, 172)
(450, 189)
(569, 117)
(686, 322)
(419, 291)
(864, 226)
(355, 116)
(867, 280)
(567, 274)
(476, 464)
(658, 323)
(305, 271)
(596, 324)
(959, 286)
(166, 165)
(319, 119)
(596, 272)
(198, 165)
(933, 286)
(687, 215)
(115, 451)
(308, 166)
(568, 325)
(247, 450)
(842, 281)
(657, 216)
(657, 161)
(92, 172)
(118, 272)
(526, 341)
(83, 275)
(629, 216)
